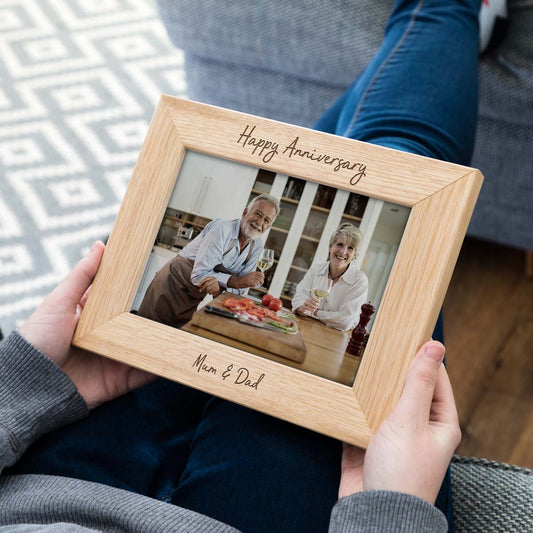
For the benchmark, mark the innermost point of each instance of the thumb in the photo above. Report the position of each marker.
(75, 285)
(415, 403)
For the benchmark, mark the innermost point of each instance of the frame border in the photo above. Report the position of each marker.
(441, 197)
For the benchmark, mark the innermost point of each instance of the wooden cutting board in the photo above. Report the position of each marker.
(289, 346)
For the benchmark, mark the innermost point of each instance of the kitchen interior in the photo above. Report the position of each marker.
(209, 188)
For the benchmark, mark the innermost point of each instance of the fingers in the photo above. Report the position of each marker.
(213, 290)
(416, 400)
(76, 284)
(253, 279)
(443, 408)
(203, 283)
(207, 283)
(83, 299)
(311, 305)
(351, 470)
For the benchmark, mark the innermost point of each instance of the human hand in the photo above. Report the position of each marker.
(310, 306)
(51, 327)
(210, 286)
(413, 447)
(253, 279)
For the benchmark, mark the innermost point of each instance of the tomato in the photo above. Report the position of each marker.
(243, 304)
(275, 304)
(267, 298)
(230, 303)
(271, 315)
(256, 311)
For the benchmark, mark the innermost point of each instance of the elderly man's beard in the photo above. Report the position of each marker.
(249, 231)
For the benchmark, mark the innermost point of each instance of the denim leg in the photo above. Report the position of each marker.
(260, 474)
(419, 93)
(138, 442)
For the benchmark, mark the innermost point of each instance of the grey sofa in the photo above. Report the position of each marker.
(491, 497)
(290, 60)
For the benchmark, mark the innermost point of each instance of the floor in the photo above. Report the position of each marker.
(488, 323)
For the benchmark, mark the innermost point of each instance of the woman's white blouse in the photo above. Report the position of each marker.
(342, 307)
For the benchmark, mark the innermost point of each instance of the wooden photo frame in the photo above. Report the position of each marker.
(440, 198)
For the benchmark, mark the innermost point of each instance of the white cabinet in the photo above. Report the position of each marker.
(212, 187)
(381, 252)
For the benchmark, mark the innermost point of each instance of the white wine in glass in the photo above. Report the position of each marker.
(321, 290)
(319, 294)
(266, 260)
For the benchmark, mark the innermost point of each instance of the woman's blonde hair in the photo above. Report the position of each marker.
(352, 234)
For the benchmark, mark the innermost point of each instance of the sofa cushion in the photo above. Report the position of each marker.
(491, 496)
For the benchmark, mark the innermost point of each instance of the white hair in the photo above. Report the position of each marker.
(274, 202)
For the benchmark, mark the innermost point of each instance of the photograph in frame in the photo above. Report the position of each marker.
(436, 198)
(304, 245)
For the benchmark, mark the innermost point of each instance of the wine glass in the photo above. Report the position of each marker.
(320, 290)
(266, 259)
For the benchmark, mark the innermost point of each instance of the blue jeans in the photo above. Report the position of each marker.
(257, 473)
(420, 92)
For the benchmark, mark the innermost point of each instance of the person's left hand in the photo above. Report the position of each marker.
(51, 327)
(210, 286)
(414, 445)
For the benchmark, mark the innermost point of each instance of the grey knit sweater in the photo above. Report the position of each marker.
(37, 397)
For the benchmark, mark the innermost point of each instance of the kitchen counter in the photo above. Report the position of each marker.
(325, 347)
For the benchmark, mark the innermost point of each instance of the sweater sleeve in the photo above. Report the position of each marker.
(386, 512)
(36, 397)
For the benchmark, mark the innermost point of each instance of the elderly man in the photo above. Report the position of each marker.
(222, 257)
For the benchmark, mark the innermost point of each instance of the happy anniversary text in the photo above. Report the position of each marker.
(267, 149)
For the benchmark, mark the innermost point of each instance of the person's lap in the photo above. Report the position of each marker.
(258, 473)
(229, 462)
(138, 442)
(174, 443)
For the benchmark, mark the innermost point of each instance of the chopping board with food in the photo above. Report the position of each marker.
(265, 325)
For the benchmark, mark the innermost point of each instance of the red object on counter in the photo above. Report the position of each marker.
(275, 304)
(359, 333)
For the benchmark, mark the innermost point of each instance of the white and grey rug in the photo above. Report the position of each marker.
(79, 81)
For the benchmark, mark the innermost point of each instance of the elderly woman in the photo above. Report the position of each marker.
(334, 291)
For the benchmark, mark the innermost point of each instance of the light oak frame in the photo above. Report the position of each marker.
(441, 197)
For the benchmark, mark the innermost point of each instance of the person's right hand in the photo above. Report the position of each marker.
(210, 286)
(309, 307)
(253, 279)
(413, 447)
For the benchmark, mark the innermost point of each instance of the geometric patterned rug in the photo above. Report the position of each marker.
(79, 82)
